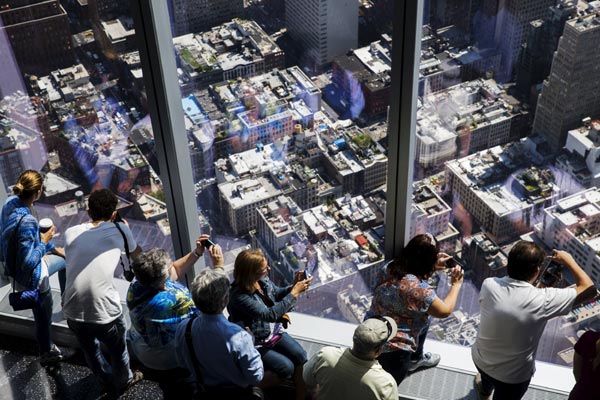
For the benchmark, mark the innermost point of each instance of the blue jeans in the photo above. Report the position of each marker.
(284, 357)
(112, 335)
(42, 315)
(57, 264)
(502, 390)
(397, 363)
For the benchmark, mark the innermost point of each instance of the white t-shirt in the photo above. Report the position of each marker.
(341, 375)
(513, 318)
(92, 255)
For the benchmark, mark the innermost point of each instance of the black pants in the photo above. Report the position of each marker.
(502, 390)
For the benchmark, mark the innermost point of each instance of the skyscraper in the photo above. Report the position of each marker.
(571, 91)
(503, 24)
(323, 28)
(38, 32)
(192, 16)
(535, 58)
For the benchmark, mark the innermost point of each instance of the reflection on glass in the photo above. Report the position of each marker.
(285, 107)
(72, 105)
(506, 145)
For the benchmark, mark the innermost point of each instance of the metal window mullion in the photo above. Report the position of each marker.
(406, 42)
(153, 32)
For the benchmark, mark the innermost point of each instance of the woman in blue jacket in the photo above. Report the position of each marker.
(34, 258)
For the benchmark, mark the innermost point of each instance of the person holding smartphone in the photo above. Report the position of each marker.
(157, 302)
(258, 304)
(405, 295)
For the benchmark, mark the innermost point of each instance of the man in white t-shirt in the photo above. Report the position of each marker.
(513, 317)
(91, 302)
(355, 374)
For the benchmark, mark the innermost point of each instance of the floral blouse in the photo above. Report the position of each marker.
(407, 301)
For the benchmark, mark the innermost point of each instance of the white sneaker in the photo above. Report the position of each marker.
(427, 361)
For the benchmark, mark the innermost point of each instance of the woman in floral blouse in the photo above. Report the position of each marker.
(406, 296)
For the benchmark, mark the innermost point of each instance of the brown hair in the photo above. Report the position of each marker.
(28, 184)
(247, 267)
(418, 257)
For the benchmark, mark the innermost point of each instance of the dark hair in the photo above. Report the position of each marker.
(418, 257)
(28, 184)
(247, 267)
(524, 259)
(101, 205)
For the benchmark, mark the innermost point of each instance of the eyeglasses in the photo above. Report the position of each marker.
(387, 324)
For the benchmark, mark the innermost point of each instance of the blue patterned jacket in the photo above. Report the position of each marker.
(30, 250)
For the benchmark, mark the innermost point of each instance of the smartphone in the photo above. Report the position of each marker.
(451, 263)
(118, 217)
(305, 275)
(207, 243)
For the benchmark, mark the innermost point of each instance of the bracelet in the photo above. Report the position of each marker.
(195, 252)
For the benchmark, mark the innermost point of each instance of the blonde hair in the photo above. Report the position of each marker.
(28, 184)
(247, 267)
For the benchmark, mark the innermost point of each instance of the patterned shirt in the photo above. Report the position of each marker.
(407, 301)
(154, 321)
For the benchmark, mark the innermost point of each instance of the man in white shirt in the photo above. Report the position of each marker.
(513, 317)
(91, 302)
(355, 374)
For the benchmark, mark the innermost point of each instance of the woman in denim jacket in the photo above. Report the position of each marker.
(259, 305)
(34, 259)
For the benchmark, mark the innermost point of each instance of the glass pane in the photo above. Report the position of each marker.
(507, 136)
(285, 106)
(73, 105)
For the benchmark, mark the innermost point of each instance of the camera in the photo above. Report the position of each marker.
(552, 274)
(207, 243)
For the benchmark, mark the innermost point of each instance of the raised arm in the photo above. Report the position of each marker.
(183, 265)
(584, 286)
(442, 308)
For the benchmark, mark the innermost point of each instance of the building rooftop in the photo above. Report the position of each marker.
(248, 191)
(225, 47)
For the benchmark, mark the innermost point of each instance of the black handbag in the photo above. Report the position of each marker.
(27, 299)
(24, 300)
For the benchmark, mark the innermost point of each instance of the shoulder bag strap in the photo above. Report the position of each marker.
(126, 247)
(16, 248)
(192, 352)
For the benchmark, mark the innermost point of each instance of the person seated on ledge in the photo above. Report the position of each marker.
(338, 373)
(218, 354)
(157, 303)
(255, 302)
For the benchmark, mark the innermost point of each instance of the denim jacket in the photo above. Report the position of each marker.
(250, 309)
(30, 250)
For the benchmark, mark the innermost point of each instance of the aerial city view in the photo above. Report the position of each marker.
(286, 107)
